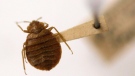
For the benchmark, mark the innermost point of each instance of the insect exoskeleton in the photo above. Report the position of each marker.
(41, 48)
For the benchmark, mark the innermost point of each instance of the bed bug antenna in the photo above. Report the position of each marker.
(39, 18)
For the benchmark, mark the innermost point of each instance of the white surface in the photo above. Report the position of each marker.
(62, 14)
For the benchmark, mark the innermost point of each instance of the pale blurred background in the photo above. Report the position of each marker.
(89, 58)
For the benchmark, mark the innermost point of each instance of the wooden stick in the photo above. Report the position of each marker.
(83, 30)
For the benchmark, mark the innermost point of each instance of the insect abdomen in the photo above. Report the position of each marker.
(43, 52)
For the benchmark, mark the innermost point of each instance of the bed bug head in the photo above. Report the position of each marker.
(35, 27)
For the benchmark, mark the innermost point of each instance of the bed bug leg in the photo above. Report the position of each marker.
(21, 27)
(46, 25)
(24, 51)
(61, 37)
(23, 58)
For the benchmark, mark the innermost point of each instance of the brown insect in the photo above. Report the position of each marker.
(41, 48)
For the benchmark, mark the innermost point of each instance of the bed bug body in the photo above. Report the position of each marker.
(42, 49)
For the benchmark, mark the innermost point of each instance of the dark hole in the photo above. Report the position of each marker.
(96, 25)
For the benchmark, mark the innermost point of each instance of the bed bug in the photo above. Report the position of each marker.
(41, 48)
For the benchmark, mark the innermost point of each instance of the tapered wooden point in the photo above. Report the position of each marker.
(83, 30)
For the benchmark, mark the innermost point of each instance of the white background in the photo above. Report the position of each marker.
(61, 14)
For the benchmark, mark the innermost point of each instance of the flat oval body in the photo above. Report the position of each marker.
(43, 50)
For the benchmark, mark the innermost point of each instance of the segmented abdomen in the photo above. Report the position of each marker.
(43, 51)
